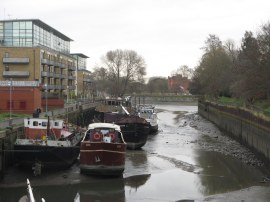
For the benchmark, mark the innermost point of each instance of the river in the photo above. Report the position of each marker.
(188, 159)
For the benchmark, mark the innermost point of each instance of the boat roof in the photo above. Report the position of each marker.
(104, 125)
(42, 119)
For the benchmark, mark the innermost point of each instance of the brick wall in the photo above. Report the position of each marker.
(24, 99)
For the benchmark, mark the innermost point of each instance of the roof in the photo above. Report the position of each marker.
(80, 55)
(104, 125)
(43, 25)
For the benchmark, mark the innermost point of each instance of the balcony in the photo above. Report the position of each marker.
(62, 76)
(18, 74)
(88, 80)
(70, 67)
(61, 65)
(47, 62)
(56, 75)
(71, 87)
(49, 74)
(16, 60)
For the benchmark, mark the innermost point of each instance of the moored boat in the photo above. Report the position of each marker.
(134, 128)
(47, 143)
(102, 150)
(147, 112)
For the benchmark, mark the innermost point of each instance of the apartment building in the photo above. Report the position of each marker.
(31, 50)
(86, 86)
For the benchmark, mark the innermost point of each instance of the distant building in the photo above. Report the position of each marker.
(86, 86)
(178, 84)
(31, 50)
(81, 65)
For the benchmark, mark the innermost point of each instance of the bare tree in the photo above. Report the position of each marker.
(183, 70)
(100, 75)
(124, 66)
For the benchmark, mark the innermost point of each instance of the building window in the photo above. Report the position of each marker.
(10, 103)
(22, 105)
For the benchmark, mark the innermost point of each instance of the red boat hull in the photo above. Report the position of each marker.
(102, 158)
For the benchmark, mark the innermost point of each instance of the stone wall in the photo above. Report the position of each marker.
(161, 99)
(1, 159)
(249, 129)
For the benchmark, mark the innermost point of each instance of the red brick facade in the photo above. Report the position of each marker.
(178, 84)
(24, 99)
(52, 103)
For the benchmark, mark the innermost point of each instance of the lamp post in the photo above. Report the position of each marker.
(67, 94)
(46, 98)
(10, 101)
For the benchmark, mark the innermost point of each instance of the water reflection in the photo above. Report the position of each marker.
(136, 181)
(112, 190)
(222, 173)
(136, 163)
(12, 194)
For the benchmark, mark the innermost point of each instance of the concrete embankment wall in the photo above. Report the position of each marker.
(7, 139)
(1, 159)
(163, 99)
(249, 129)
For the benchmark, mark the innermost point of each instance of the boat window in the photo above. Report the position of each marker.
(56, 123)
(44, 123)
(35, 123)
(104, 131)
(87, 136)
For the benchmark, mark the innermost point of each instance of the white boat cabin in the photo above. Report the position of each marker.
(37, 128)
(103, 132)
(42, 123)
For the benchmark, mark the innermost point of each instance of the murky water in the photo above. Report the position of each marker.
(171, 166)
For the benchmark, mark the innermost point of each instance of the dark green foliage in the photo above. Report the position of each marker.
(243, 73)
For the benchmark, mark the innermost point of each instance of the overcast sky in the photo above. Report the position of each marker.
(166, 33)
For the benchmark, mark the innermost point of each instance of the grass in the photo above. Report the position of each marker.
(267, 109)
(262, 106)
(5, 116)
(230, 101)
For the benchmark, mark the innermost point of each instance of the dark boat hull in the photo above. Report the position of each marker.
(153, 128)
(101, 158)
(135, 134)
(135, 129)
(50, 157)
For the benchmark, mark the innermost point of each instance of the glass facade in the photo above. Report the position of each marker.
(16, 33)
(81, 63)
(32, 33)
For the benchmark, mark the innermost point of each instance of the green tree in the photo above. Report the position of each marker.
(248, 69)
(264, 46)
(157, 85)
(211, 75)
